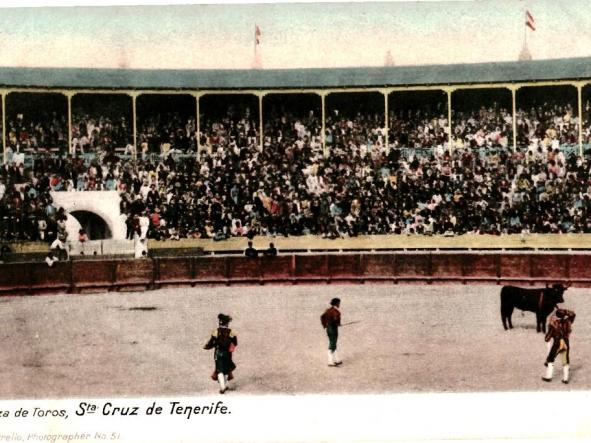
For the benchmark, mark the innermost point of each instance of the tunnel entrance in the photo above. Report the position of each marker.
(96, 228)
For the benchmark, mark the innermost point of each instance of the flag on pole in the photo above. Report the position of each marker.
(529, 21)
(258, 63)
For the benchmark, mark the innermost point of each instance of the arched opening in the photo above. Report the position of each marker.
(96, 228)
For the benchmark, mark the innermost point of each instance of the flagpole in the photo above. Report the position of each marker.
(529, 22)
(524, 28)
(257, 34)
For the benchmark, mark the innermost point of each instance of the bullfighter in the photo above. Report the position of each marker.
(331, 321)
(224, 341)
(559, 330)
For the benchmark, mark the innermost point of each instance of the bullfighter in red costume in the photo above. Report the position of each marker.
(559, 330)
(331, 321)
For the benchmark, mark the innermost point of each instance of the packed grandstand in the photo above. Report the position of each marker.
(361, 166)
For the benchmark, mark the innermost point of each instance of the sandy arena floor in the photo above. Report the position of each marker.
(402, 339)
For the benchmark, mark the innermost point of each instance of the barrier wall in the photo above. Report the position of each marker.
(419, 267)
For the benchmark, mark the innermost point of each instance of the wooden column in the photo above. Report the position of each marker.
(71, 148)
(261, 127)
(514, 104)
(449, 122)
(4, 153)
(386, 121)
(134, 124)
(580, 111)
(197, 124)
(323, 104)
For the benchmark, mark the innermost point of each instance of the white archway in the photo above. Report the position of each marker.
(104, 204)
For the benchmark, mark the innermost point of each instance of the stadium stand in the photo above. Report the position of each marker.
(336, 164)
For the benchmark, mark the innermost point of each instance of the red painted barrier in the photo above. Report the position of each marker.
(174, 270)
(579, 267)
(311, 267)
(93, 274)
(481, 266)
(134, 273)
(57, 277)
(243, 269)
(514, 266)
(210, 269)
(413, 266)
(280, 268)
(14, 277)
(378, 266)
(344, 267)
(448, 266)
(461, 267)
(549, 266)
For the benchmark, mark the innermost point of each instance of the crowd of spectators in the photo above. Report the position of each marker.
(420, 128)
(27, 211)
(289, 187)
(548, 125)
(355, 134)
(486, 128)
(289, 128)
(237, 129)
(101, 134)
(46, 131)
(166, 133)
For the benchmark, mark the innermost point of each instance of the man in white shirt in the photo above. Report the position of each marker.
(144, 225)
(60, 244)
(144, 189)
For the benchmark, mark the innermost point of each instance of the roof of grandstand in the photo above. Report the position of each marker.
(480, 73)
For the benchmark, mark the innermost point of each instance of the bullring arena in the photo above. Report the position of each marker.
(413, 194)
(401, 338)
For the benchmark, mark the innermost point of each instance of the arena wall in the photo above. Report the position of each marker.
(405, 267)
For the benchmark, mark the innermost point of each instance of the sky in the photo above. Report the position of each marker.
(294, 35)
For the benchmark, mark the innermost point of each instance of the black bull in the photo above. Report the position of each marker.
(541, 301)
